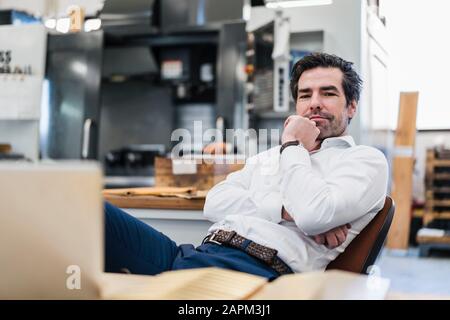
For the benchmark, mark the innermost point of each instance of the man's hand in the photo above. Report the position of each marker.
(334, 237)
(217, 148)
(301, 129)
(285, 215)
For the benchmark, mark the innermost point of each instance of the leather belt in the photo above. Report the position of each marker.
(260, 252)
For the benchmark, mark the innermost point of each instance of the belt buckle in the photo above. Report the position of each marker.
(211, 239)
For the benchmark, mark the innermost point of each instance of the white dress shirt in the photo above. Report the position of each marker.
(339, 183)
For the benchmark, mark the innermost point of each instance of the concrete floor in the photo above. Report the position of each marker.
(412, 274)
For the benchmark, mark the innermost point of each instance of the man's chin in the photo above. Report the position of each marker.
(324, 134)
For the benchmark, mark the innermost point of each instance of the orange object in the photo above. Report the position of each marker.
(249, 68)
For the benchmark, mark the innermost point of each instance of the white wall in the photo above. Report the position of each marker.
(31, 6)
(418, 32)
(342, 24)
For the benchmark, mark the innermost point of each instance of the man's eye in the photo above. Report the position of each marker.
(304, 96)
(329, 94)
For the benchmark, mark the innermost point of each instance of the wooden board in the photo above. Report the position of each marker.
(402, 194)
(440, 176)
(433, 189)
(440, 163)
(5, 148)
(431, 215)
(153, 202)
(439, 203)
(405, 134)
(426, 239)
(403, 165)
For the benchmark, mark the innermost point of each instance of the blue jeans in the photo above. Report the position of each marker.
(133, 245)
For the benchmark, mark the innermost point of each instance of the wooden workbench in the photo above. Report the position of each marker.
(155, 202)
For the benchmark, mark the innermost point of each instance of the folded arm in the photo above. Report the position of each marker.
(319, 204)
(233, 196)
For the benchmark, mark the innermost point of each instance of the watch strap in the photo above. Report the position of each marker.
(290, 143)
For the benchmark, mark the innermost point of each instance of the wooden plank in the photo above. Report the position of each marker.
(427, 239)
(403, 165)
(440, 190)
(442, 215)
(429, 170)
(402, 195)
(438, 214)
(440, 162)
(439, 203)
(5, 148)
(429, 216)
(440, 176)
(405, 134)
(153, 202)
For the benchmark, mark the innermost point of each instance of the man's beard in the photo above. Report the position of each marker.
(331, 127)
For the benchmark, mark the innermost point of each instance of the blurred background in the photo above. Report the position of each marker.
(111, 80)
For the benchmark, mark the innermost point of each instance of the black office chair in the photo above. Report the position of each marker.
(362, 252)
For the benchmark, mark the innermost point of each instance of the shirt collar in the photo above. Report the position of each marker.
(343, 141)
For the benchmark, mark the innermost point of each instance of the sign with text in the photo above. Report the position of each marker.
(22, 70)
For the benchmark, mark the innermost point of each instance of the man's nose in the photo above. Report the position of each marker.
(315, 102)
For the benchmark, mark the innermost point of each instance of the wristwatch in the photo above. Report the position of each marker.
(290, 143)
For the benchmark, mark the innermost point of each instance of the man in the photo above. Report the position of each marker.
(292, 208)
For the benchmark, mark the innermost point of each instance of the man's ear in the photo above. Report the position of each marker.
(351, 109)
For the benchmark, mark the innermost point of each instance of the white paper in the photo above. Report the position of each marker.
(183, 166)
(428, 232)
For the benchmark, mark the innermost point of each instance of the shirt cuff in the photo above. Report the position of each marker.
(270, 205)
(292, 156)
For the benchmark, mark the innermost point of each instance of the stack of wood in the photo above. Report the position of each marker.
(437, 199)
(437, 185)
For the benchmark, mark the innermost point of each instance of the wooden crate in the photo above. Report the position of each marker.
(437, 185)
(206, 174)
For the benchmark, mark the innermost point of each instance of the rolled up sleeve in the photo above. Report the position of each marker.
(234, 196)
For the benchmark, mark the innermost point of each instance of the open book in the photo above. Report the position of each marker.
(215, 283)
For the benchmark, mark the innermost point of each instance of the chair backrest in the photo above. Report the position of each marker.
(365, 248)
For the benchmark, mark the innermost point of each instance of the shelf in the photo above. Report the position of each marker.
(439, 162)
(439, 176)
(438, 215)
